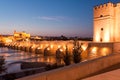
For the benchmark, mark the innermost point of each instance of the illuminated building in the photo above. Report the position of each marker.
(21, 35)
(106, 23)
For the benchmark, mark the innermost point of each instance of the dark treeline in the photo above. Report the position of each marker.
(62, 37)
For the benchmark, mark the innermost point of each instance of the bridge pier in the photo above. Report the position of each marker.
(47, 48)
(38, 50)
(2, 44)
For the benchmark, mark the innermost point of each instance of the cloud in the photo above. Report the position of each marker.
(51, 18)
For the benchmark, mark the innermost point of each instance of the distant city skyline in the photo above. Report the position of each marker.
(49, 17)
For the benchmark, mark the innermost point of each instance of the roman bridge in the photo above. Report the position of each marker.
(46, 47)
(58, 48)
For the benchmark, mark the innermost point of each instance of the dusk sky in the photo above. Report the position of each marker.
(49, 17)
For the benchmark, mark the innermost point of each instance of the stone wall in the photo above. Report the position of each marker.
(116, 47)
(99, 49)
(77, 71)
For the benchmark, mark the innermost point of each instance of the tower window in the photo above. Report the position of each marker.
(101, 15)
(101, 29)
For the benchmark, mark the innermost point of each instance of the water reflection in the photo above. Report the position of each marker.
(12, 56)
(14, 68)
(49, 59)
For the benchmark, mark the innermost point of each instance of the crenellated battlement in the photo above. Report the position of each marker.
(118, 4)
(109, 4)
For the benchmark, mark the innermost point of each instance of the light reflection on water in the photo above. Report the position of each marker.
(16, 55)
(12, 56)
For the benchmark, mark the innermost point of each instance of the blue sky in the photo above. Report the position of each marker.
(48, 17)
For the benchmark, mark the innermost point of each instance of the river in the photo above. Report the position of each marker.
(13, 58)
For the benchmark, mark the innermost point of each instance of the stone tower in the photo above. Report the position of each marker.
(106, 22)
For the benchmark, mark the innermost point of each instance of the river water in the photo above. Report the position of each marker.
(13, 58)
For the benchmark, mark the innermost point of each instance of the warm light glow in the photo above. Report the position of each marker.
(51, 46)
(93, 53)
(84, 46)
(97, 37)
(106, 23)
(104, 51)
(8, 41)
(59, 46)
(27, 39)
(47, 45)
(94, 50)
(33, 46)
(64, 47)
(20, 35)
(61, 50)
(39, 48)
(48, 48)
(106, 37)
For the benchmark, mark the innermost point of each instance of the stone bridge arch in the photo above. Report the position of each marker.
(32, 48)
(38, 50)
(60, 53)
(47, 51)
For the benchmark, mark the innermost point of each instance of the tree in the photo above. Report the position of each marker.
(64, 37)
(67, 59)
(2, 62)
(59, 57)
(77, 52)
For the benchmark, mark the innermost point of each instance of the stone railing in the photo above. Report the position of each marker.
(77, 71)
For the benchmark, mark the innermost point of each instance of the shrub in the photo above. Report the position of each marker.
(2, 63)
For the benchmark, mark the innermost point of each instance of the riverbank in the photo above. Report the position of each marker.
(27, 68)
